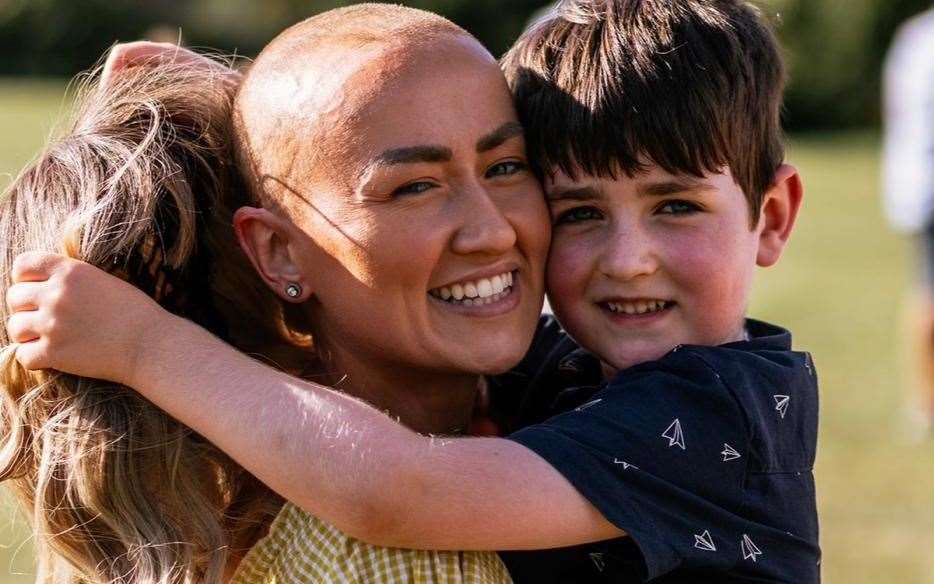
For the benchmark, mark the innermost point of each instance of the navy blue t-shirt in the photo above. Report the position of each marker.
(704, 457)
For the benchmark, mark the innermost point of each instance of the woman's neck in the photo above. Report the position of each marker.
(429, 403)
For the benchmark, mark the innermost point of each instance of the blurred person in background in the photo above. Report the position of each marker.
(908, 181)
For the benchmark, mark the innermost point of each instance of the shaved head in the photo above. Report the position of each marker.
(309, 80)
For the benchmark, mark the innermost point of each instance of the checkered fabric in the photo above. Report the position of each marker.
(300, 548)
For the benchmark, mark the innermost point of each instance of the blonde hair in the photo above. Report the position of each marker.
(140, 184)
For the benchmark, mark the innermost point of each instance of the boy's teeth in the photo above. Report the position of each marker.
(640, 307)
(478, 292)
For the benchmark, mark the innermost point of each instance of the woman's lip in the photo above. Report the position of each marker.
(500, 307)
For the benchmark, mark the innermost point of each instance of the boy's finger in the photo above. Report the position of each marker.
(125, 55)
(23, 297)
(21, 327)
(33, 355)
(146, 53)
(34, 266)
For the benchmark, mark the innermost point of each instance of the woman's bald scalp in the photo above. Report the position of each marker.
(264, 114)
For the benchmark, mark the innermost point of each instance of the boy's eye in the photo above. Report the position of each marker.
(578, 214)
(678, 208)
(415, 188)
(506, 168)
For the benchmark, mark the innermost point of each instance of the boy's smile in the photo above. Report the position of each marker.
(640, 265)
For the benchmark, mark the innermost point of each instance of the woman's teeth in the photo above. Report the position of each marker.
(640, 307)
(477, 292)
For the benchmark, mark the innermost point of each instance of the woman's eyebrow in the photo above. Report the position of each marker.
(499, 136)
(434, 153)
(413, 154)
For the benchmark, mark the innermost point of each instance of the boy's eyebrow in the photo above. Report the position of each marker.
(671, 187)
(499, 136)
(412, 154)
(587, 193)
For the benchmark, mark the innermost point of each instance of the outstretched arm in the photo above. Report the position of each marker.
(329, 453)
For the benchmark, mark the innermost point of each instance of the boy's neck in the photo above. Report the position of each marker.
(741, 334)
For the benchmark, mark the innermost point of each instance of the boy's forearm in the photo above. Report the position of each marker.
(312, 445)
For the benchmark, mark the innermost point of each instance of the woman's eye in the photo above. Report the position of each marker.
(415, 188)
(507, 168)
(578, 214)
(678, 208)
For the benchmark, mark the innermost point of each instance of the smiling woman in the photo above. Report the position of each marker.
(398, 240)
(437, 194)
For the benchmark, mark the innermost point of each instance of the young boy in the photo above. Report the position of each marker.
(679, 436)
(656, 126)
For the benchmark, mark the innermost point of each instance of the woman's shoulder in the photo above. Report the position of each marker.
(302, 548)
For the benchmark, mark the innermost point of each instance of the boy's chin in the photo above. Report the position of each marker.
(623, 358)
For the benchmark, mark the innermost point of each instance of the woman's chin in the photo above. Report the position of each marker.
(496, 362)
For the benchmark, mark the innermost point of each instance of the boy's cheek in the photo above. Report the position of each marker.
(566, 276)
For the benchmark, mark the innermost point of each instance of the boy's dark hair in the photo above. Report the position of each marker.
(691, 85)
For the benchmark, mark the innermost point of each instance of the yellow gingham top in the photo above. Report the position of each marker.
(302, 549)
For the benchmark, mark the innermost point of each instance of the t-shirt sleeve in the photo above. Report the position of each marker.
(661, 452)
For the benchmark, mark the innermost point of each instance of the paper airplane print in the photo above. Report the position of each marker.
(588, 404)
(626, 465)
(675, 435)
(598, 561)
(729, 453)
(781, 404)
(750, 551)
(704, 542)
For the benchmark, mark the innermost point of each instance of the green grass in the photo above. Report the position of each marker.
(839, 288)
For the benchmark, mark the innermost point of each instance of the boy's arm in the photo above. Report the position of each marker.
(331, 454)
(355, 467)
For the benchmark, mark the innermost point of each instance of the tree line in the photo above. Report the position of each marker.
(835, 48)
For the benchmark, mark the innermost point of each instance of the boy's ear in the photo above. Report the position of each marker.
(265, 239)
(780, 207)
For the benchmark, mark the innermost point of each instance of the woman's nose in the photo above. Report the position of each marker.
(485, 228)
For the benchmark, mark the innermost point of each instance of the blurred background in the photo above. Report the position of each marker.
(840, 289)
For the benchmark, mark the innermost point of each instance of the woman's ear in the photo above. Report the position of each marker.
(780, 207)
(267, 240)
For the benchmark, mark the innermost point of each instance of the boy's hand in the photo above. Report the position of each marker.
(149, 54)
(71, 316)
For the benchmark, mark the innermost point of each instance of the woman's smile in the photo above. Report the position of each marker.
(480, 296)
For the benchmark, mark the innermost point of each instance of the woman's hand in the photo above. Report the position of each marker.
(148, 54)
(71, 316)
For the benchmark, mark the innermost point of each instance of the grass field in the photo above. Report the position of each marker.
(839, 288)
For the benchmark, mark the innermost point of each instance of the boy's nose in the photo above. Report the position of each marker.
(485, 229)
(627, 254)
